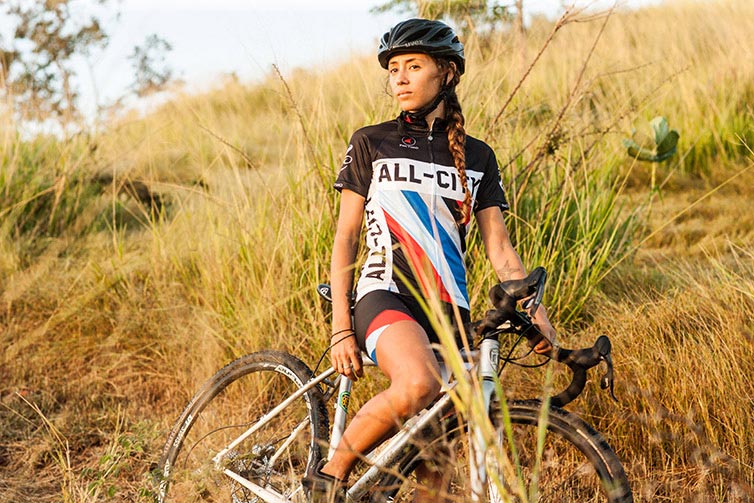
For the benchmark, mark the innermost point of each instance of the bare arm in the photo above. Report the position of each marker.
(345, 245)
(503, 257)
(508, 265)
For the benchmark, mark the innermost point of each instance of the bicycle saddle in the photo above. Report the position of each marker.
(325, 291)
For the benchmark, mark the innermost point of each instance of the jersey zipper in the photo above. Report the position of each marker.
(434, 170)
(434, 187)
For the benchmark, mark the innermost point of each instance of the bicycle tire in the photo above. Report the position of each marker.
(574, 464)
(234, 398)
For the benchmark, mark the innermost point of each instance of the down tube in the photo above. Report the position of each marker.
(394, 448)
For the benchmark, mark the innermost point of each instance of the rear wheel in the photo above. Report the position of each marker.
(275, 457)
(565, 460)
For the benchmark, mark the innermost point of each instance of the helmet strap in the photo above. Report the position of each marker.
(419, 115)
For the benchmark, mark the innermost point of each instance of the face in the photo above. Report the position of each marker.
(415, 80)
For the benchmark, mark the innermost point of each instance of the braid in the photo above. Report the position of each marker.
(457, 141)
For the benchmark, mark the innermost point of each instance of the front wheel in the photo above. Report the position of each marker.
(274, 457)
(553, 455)
(540, 457)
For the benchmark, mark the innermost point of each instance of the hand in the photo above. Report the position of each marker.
(545, 342)
(346, 356)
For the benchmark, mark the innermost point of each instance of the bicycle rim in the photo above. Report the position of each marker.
(275, 457)
(553, 456)
(564, 461)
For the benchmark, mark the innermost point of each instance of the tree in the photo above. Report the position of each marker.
(37, 67)
(467, 15)
(150, 73)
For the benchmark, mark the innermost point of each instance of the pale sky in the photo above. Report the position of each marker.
(211, 38)
(215, 37)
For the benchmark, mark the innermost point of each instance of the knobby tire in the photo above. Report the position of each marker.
(575, 464)
(233, 399)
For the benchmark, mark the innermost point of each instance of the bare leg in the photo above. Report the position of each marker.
(405, 356)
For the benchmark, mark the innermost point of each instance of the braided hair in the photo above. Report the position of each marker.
(457, 135)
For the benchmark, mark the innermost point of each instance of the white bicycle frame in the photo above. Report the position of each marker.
(486, 360)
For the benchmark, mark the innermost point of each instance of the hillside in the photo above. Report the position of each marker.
(136, 261)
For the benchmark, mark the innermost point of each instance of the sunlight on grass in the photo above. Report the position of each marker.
(137, 260)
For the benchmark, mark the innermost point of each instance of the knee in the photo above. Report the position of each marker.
(413, 394)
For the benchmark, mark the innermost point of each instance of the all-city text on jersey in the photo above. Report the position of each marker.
(413, 199)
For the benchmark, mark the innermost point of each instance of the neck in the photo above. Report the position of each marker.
(435, 114)
(430, 111)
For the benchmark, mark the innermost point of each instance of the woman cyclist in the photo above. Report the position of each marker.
(414, 182)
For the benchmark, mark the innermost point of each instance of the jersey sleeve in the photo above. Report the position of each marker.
(491, 191)
(356, 171)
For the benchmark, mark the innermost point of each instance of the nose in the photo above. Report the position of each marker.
(400, 77)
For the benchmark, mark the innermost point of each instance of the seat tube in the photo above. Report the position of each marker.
(341, 412)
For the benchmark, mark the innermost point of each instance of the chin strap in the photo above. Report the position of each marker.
(418, 115)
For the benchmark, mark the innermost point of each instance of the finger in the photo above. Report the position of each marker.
(342, 366)
(543, 346)
(348, 371)
(338, 367)
(354, 362)
(358, 368)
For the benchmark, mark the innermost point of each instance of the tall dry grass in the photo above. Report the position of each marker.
(115, 309)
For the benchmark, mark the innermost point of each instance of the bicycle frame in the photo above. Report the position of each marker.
(485, 360)
(480, 368)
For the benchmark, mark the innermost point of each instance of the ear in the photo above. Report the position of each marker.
(451, 73)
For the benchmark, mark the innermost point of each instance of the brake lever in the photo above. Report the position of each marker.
(578, 360)
(604, 347)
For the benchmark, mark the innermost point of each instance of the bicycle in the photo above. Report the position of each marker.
(261, 423)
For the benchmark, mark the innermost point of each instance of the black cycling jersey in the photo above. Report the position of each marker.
(413, 205)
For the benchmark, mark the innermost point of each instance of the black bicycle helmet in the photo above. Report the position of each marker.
(422, 35)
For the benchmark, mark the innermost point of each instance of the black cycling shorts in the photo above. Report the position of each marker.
(379, 309)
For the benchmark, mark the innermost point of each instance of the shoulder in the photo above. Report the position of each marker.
(375, 131)
(476, 145)
(478, 151)
(369, 139)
